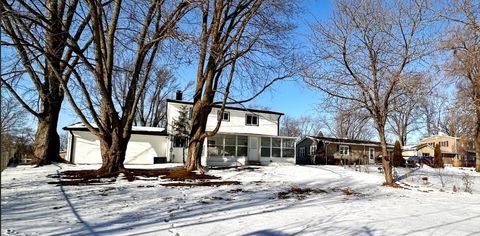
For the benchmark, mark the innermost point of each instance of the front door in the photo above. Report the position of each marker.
(253, 149)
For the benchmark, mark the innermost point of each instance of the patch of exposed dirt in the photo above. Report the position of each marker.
(92, 177)
(237, 168)
(299, 193)
(202, 183)
(349, 191)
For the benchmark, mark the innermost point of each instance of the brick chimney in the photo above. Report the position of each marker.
(179, 95)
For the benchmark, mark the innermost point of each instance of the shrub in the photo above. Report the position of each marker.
(437, 157)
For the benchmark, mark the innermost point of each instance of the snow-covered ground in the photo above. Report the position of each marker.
(30, 206)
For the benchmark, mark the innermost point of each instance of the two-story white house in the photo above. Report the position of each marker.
(246, 136)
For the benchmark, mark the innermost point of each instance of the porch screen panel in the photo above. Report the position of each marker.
(230, 141)
(215, 145)
(288, 148)
(276, 147)
(242, 146)
(265, 147)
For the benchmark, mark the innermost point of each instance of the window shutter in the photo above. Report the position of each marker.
(350, 150)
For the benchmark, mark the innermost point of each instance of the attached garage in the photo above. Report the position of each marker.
(148, 145)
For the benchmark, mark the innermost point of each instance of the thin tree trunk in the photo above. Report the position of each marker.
(386, 160)
(477, 143)
(47, 142)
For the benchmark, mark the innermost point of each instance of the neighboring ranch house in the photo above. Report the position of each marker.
(321, 150)
(454, 151)
(246, 136)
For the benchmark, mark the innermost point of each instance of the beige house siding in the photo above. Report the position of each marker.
(357, 153)
(448, 144)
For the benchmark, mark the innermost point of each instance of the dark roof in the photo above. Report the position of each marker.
(135, 129)
(343, 140)
(231, 108)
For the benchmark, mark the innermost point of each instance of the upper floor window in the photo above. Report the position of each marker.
(226, 116)
(251, 119)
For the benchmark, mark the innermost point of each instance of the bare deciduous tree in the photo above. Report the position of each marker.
(12, 115)
(299, 127)
(364, 51)
(432, 108)
(406, 113)
(464, 44)
(150, 24)
(152, 104)
(350, 122)
(241, 43)
(35, 35)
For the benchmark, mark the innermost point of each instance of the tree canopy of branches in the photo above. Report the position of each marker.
(299, 127)
(121, 33)
(363, 53)
(350, 122)
(151, 109)
(405, 116)
(463, 41)
(35, 36)
(242, 44)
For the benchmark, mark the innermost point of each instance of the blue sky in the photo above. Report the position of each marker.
(291, 97)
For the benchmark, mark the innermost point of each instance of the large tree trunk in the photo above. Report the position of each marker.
(47, 142)
(386, 160)
(113, 150)
(197, 137)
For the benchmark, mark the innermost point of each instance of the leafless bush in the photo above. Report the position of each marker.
(440, 173)
(467, 182)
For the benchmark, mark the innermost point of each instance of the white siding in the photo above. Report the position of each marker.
(140, 150)
(267, 124)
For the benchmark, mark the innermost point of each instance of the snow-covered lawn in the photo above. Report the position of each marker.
(30, 206)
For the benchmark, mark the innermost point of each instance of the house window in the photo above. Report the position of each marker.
(227, 145)
(265, 147)
(312, 150)
(251, 120)
(179, 142)
(276, 147)
(302, 152)
(288, 148)
(225, 117)
(230, 143)
(215, 146)
(343, 150)
(242, 146)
